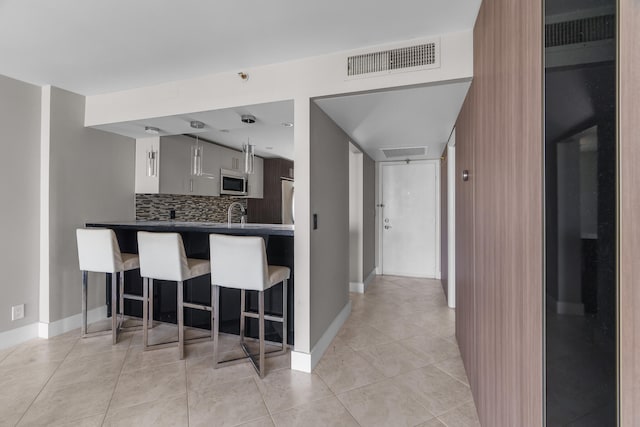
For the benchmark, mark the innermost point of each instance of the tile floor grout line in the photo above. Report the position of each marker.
(317, 399)
(349, 412)
(115, 386)
(47, 382)
(11, 350)
(172, 396)
(447, 373)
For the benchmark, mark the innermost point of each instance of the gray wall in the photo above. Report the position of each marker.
(91, 179)
(368, 216)
(20, 195)
(329, 275)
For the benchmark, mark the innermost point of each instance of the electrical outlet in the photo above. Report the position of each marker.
(17, 312)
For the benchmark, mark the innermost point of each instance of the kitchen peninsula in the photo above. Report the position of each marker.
(279, 244)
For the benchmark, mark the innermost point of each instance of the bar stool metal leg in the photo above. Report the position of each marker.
(212, 314)
(181, 319)
(121, 302)
(150, 302)
(114, 307)
(285, 331)
(145, 312)
(261, 331)
(215, 290)
(243, 308)
(85, 278)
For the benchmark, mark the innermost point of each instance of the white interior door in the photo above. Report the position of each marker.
(409, 219)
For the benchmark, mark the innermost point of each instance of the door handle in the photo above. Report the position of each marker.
(386, 227)
(465, 175)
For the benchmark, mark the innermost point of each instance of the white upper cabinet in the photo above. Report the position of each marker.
(163, 166)
(175, 165)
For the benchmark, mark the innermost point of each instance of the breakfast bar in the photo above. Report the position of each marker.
(279, 246)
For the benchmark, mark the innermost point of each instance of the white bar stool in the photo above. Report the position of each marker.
(162, 257)
(240, 262)
(99, 252)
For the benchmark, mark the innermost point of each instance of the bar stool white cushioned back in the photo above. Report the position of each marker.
(240, 262)
(99, 252)
(162, 257)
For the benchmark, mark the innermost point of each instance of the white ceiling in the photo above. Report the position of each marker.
(416, 117)
(270, 137)
(97, 46)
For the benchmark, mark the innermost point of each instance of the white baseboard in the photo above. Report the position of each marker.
(18, 335)
(306, 362)
(48, 330)
(361, 287)
(356, 287)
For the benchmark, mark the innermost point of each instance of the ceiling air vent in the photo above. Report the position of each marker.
(411, 58)
(591, 29)
(394, 153)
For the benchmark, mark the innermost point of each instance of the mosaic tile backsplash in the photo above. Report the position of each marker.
(157, 207)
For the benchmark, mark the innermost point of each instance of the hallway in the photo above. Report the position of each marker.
(395, 362)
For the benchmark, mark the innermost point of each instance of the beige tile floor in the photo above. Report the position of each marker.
(394, 363)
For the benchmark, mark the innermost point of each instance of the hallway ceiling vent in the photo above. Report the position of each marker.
(410, 58)
(579, 31)
(395, 153)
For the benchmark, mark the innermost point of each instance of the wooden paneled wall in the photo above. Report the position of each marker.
(465, 246)
(268, 210)
(444, 229)
(499, 210)
(629, 222)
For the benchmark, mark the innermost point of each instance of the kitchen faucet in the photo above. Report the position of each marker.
(243, 218)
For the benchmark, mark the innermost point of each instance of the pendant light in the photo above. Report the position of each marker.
(248, 149)
(152, 153)
(152, 162)
(249, 157)
(196, 158)
(196, 151)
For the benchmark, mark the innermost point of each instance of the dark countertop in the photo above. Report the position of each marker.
(207, 227)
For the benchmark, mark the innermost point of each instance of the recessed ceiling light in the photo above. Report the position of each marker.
(151, 130)
(196, 124)
(248, 118)
(287, 124)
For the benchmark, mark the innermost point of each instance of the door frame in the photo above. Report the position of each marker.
(379, 223)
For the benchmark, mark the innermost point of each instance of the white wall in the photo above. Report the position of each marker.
(362, 219)
(368, 216)
(19, 192)
(330, 242)
(451, 221)
(91, 178)
(355, 217)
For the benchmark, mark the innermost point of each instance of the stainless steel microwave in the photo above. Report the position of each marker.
(233, 183)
